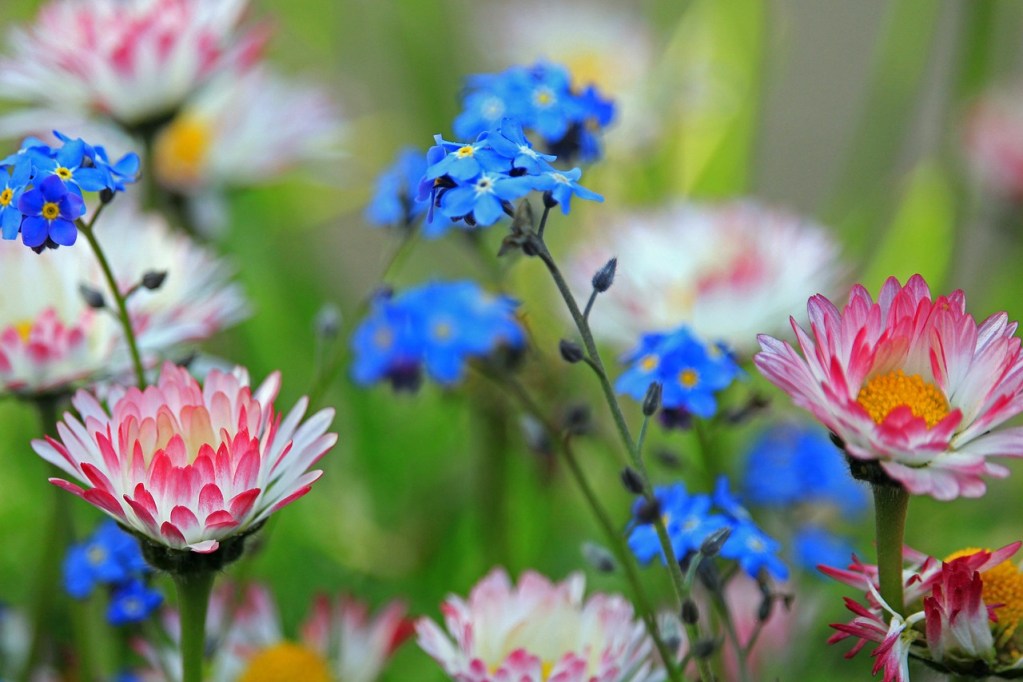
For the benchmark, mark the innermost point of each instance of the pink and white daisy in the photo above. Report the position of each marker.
(50, 340)
(133, 61)
(189, 465)
(339, 640)
(949, 616)
(910, 382)
(993, 142)
(728, 271)
(536, 631)
(244, 130)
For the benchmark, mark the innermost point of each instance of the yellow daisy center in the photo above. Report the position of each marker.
(885, 392)
(689, 377)
(287, 662)
(1002, 584)
(24, 329)
(51, 210)
(545, 670)
(6, 196)
(181, 149)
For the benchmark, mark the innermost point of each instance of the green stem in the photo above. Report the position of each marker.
(890, 505)
(614, 538)
(193, 600)
(493, 473)
(115, 291)
(740, 652)
(582, 325)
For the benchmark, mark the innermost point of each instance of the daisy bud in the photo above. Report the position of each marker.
(631, 480)
(571, 352)
(153, 279)
(605, 277)
(652, 400)
(599, 557)
(93, 297)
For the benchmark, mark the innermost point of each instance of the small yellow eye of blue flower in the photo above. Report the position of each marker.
(467, 150)
(383, 338)
(442, 330)
(51, 210)
(63, 173)
(96, 555)
(558, 177)
(649, 363)
(543, 97)
(6, 196)
(689, 377)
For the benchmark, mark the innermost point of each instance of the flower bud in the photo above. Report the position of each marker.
(652, 399)
(605, 277)
(712, 543)
(599, 557)
(690, 612)
(153, 279)
(93, 297)
(571, 352)
(548, 200)
(631, 480)
(648, 511)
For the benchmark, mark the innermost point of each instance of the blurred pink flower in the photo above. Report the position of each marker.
(536, 631)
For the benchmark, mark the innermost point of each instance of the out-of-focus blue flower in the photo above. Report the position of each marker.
(15, 178)
(437, 326)
(793, 464)
(754, 550)
(108, 557)
(542, 99)
(690, 373)
(50, 210)
(132, 602)
(394, 201)
(690, 519)
(815, 546)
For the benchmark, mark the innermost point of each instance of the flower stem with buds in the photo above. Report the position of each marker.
(115, 291)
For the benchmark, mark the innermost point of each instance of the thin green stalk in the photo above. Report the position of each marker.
(614, 538)
(193, 601)
(119, 299)
(891, 503)
(582, 325)
(493, 487)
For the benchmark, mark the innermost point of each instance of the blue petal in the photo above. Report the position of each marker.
(34, 231)
(63, 232)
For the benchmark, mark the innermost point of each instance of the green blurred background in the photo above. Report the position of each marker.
(849, 112)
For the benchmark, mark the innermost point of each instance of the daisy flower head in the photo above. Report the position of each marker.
(993, 142)
(51, 340)
(538, 630)
(339, 640)
(189, 466)
(246, 129)
(729, 271)
(131, 61)
(960, 614)
(909, 382)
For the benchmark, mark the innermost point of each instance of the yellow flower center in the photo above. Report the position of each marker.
(96, 555)
(180, 150)
(442, 330)
(63, 173)
(6, 196)
(885, 392)
(1002, 584)
(383, 338)
(543, 97)
(689, 377)
(467, 150)
(545, 670)
(649, 363)
(51, 210)
(286, 662)
(24, 329)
